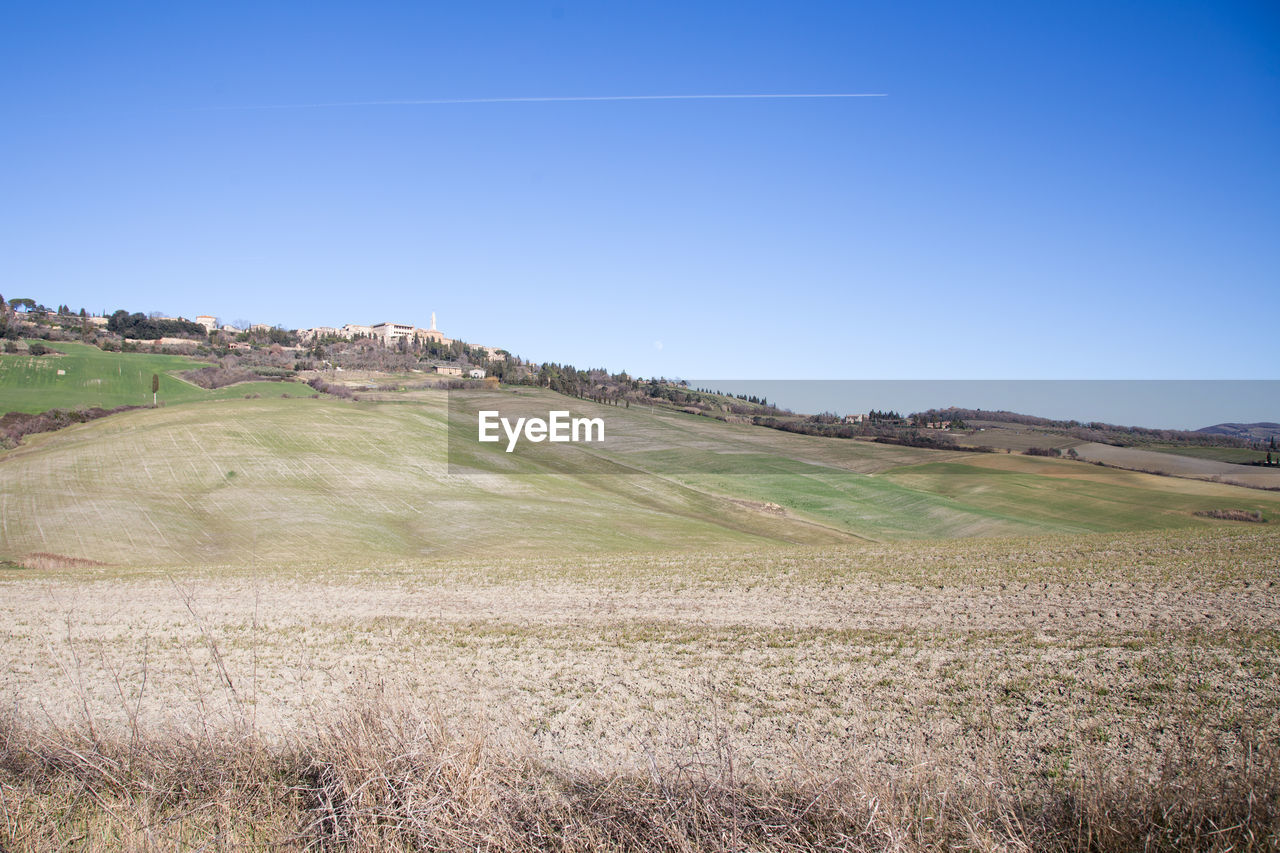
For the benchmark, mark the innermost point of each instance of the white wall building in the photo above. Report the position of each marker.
(392, 332)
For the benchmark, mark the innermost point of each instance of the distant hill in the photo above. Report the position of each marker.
(1255, 432)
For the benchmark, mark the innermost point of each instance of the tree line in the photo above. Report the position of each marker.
(1104, 433)
(146, 328)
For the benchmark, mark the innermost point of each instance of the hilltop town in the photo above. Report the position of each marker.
(352, 346)
(355, 358)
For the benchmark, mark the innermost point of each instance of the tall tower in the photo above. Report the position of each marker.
(433, 321)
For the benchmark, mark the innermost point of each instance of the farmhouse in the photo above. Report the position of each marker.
(449, 369)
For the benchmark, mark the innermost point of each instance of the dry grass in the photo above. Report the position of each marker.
(380, 777)
(45, 561)
(1098, 693)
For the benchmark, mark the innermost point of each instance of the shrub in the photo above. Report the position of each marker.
(328, 388)
(218, 377)
(1233, 515)
(15, 425)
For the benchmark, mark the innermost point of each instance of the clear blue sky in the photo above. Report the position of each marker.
(1049, 190)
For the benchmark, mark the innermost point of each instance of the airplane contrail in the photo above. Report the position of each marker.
(561, 98)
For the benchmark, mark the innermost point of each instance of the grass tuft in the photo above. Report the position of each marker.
(380, 777)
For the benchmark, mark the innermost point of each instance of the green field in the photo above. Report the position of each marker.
(91, 377)
(325, 481)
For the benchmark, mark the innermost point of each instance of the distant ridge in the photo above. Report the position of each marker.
(1256, 432)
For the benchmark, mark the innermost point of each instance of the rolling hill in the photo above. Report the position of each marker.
(337, 483)
(1262, 431)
